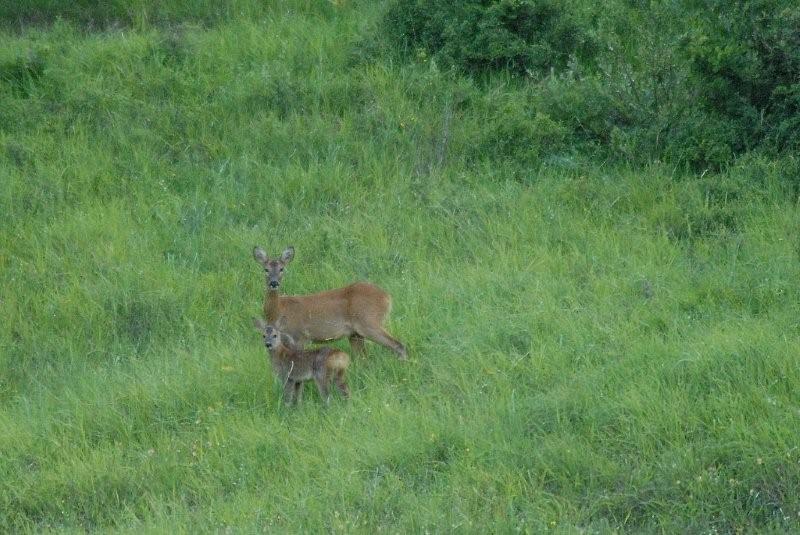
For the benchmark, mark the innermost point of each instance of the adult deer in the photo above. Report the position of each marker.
(356, 311)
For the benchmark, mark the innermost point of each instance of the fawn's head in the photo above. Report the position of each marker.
(273, 337)
(274, 268)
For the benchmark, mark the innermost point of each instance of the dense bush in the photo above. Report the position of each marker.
(747, 55)
(524, 36)
(693, 82)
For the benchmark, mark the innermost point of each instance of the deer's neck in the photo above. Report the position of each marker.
(285, 357)
(278, 358)
(272, 305)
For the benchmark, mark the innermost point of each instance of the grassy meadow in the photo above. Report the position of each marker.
(595, 345)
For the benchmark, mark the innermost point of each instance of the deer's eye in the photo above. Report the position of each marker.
(281, 270)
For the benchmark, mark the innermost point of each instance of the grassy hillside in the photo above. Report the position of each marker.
(594, 346)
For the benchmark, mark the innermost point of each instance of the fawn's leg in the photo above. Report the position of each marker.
(380, 336)
(322, 381)
(288, 392)
(298, 391)
(341, 384)
(357, 343)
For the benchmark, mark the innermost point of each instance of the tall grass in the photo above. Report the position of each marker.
(593, 346)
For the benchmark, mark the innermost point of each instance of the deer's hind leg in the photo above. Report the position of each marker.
(357, 343)
(380, 336)
(341, 383)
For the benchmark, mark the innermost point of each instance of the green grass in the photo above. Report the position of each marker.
(594, 347)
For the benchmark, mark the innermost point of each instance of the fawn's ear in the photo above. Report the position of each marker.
(260, 255)
(287, 255)
(260, 324)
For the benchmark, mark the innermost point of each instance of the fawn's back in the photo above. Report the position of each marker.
(294, 365)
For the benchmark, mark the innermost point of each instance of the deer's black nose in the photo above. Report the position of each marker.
(273, 284)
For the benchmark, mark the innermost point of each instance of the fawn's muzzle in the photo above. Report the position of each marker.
(273, 284)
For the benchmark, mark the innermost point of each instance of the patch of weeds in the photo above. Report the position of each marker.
(138, 319)
(279, 93)
(22, 74)
(709, 209)
(418, 469)
(194, 217)
(18, 154)
(171, 48)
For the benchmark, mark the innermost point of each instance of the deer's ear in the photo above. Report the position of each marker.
(260, 255)
(287, 255)
(260, 324)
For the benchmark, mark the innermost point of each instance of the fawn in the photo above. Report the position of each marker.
(294, 365)
(357, 311)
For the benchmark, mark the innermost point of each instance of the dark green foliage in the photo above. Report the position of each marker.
(518, 133)
(529, 37)
(695, 83)
(747, 56)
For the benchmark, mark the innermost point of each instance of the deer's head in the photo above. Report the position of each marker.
(273, 268)
(273, 337)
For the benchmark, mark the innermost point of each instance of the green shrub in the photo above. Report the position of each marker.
(747, 56)
(694, 82)
(517, 132)
(524, 36)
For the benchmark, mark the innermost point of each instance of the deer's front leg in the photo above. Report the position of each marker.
(288, 391)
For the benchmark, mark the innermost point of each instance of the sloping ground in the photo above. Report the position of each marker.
(592, 347)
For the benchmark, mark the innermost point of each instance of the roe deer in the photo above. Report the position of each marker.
(294, 365)
(357, 311)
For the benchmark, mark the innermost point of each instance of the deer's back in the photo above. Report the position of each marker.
(334, 313)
